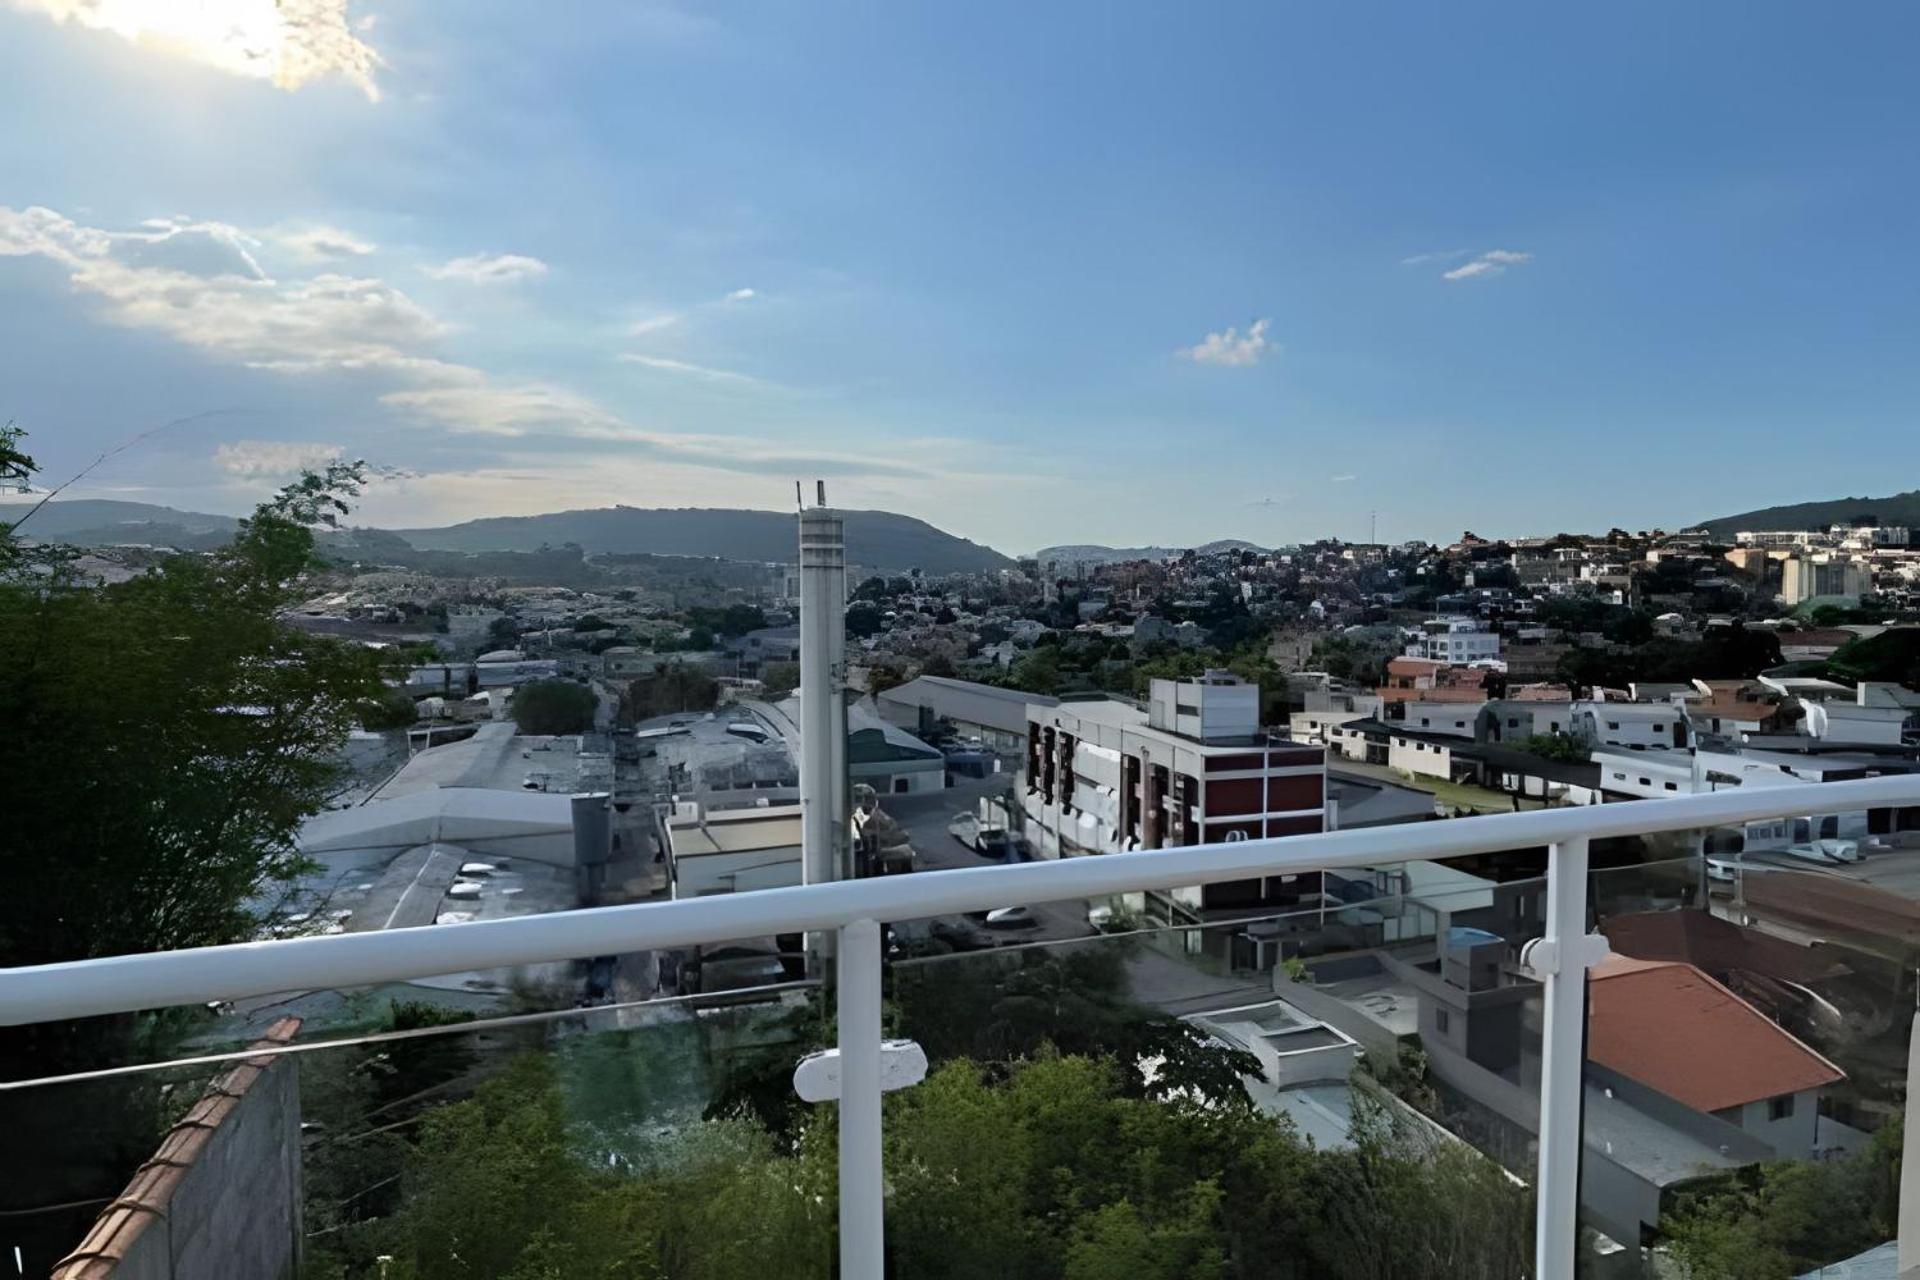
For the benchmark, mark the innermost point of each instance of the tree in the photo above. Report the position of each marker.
(1565, 747)
(864, 619)
(554, 706)
(164, 740)
(675, 687)
(780, 678)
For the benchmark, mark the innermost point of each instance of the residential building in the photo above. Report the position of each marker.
(1454, 640)
(1633, 726)
(1675, 1030)
(1107, 776)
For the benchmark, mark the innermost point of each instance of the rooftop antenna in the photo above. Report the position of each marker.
(820, 494)
(1373, 527)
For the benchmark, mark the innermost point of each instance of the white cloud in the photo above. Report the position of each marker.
(1232, 348)
(324, 244)
(741, 295)
(1343, 479)
(681, 366)
(1448, 255)
(1491, 263)
(654, 324)
(273, 459)
(485, 408)
(489, 268)
(288, 42)
(167, 278)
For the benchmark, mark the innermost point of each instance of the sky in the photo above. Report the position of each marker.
(1071, 272)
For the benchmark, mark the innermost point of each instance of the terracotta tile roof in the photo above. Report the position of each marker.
(1674, 1029)
(146, 1197)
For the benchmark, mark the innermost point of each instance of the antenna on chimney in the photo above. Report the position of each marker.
(821, 498)
(799, 499)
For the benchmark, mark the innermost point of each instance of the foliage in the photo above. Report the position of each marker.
(165, 738)
(503, 633)
(391, 710)
(554, 706)
(675, 687)
(1047, 1167)
(733, 620)
(1070, 999)
(881, 679)
(780, 678)
(1723, 653)
(1890, 655)
(1565, 747)
(1788, 1216)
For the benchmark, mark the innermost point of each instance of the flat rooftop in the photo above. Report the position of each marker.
(735, 831)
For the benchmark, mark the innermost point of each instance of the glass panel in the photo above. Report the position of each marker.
(1747, 1058)
(1241, 1098)
(664, 1137)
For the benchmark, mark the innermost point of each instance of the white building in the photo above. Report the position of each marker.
(1459, 641)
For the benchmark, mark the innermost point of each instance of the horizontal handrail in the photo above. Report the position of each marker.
(122, 984)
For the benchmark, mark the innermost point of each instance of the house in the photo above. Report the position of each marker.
(1669, 1026)
(1731, 708)
(1459, 641)
(1631, 726)
(1412, 679)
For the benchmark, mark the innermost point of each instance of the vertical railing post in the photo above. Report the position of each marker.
(1559, 960)
(862, 1215)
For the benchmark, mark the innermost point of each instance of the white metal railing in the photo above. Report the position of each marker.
(855, 909)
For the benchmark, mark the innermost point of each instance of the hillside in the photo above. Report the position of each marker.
(92, 522)
(1899, 508)
(1092, 554)
(875, 539)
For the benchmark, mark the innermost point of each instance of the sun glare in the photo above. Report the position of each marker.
(287, 42)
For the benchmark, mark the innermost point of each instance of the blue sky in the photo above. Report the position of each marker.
(1037, 273)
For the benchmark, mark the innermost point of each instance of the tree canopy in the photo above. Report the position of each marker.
(554, 706)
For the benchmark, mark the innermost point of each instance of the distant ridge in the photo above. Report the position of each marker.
(1093, 553)
(1899, 508)
(879, 540)
(875, 539)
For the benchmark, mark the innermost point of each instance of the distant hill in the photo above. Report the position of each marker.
(875, 539)
(93, 522)
(1092, 553)
(1900, 508)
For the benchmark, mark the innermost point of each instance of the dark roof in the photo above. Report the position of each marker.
(1718, 946)
(1579, 773)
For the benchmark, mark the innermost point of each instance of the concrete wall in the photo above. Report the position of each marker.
(235, 1210)
(1794, 1137)
(1420, 758)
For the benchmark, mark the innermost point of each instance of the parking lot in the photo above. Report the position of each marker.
(930, 819)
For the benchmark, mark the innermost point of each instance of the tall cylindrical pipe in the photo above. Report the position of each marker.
(823, 592)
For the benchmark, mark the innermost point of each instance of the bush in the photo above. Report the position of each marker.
(554, 706)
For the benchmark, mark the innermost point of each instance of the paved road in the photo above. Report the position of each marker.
(927, 818)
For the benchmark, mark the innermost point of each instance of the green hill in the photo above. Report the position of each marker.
(1900, 508)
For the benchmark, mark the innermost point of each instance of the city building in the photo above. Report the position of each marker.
(1107, 776)
(1808, 578)
(996, 716)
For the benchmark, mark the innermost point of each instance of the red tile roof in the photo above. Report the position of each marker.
(1674, 1029)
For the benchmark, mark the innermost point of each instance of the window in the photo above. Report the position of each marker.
(1513, 722)
(1672, 786)
(900, 785)
(1780, 1108)
(1442, 1020)
(1613, 724)
(1646, 782)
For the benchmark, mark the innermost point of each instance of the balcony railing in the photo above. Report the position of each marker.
(853, 911)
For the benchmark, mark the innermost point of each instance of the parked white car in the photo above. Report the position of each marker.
(1829, 851)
